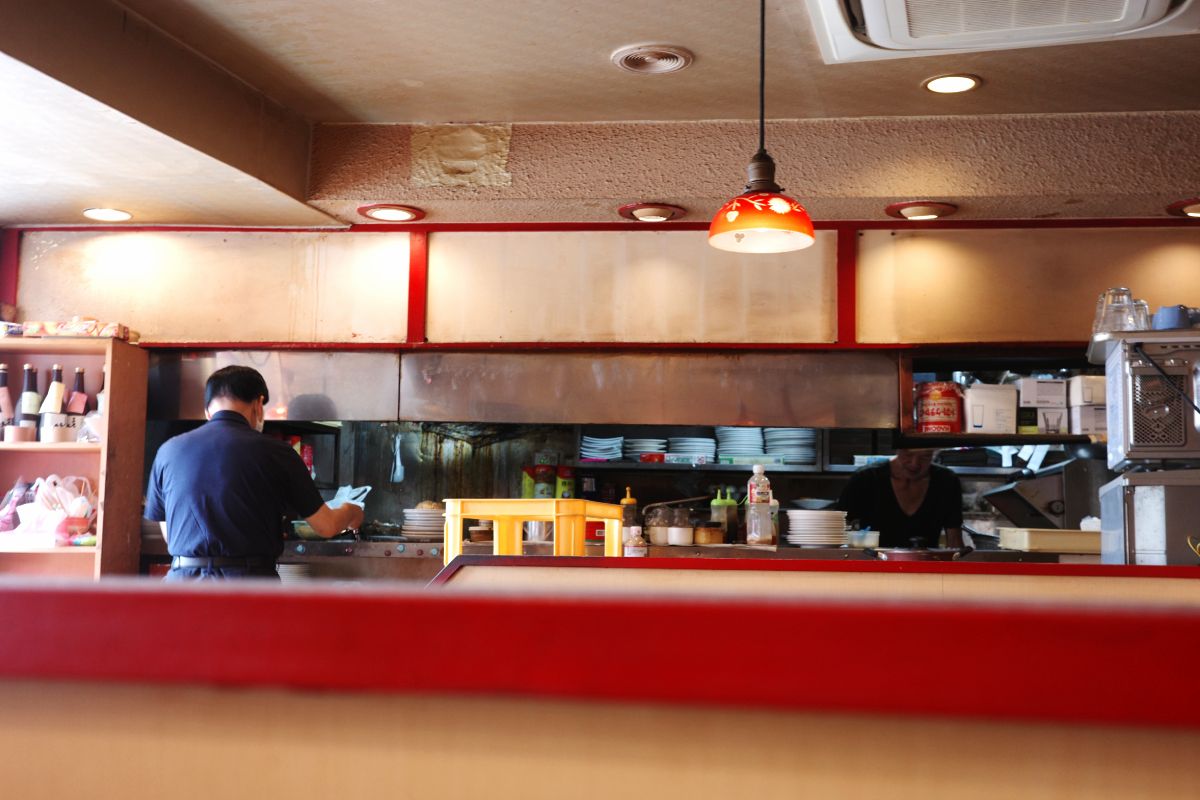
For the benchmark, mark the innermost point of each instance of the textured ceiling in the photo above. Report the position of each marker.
(226, 91)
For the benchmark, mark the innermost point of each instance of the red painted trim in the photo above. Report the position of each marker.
(1059, 663)
(418, 285)
(181, 229)
(10, 264)
(614, 347)
(846, 286)
(734, 564)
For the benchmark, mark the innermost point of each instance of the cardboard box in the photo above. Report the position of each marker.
(990, 408)
(1086, 390)
(1089, 419)
(1041, 420)
(1041, 393)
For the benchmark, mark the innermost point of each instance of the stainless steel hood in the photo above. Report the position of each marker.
(813, 389)
(303, 385)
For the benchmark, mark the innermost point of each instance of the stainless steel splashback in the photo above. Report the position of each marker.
(303, 385)
(811, 389)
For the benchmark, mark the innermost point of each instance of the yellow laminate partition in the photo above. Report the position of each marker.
(507, 515)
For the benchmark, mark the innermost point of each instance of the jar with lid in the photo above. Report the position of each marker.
(680, 532)
(658, 522)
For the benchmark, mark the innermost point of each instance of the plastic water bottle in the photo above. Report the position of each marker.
(759, 529)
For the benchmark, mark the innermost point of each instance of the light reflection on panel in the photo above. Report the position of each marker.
(626, 286)
(303, 386)
(843, 389)
(1014, 285)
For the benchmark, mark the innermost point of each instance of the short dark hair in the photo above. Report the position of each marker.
(242, 383)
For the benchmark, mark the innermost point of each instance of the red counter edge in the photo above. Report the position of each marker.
(1056, 664)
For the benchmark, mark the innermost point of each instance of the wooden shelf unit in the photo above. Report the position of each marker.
(114, 466)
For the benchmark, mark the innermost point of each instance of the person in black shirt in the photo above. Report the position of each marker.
(905, 499)
(220, 491)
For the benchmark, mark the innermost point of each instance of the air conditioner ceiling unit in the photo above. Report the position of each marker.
(864, 30)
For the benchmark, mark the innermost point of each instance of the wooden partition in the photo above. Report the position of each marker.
(935, 582)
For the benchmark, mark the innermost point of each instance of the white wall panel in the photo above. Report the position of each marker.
(625, 286)
(222, 286)
(1012, 284)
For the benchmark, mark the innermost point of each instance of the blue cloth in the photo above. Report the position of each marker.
(224, 489)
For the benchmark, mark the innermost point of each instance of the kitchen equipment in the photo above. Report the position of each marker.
(658, 521)
(1058, 496)
(1149, 517)
(917, 553)
(680, 532)
(1151, 389)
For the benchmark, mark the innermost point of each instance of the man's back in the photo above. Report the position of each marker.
(223, 488)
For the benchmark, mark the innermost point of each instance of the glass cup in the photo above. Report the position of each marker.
(1114, 311)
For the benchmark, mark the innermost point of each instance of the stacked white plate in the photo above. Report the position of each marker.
(796, 445)
(633, 448)
(604, 449)
(816, 528)
(692, 445)
(733, 441)
(294, 573)
(423, 522)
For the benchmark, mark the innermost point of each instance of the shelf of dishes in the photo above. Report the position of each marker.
(728, 446)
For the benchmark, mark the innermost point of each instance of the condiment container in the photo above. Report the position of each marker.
(635, 546)
(658, 522)
(680, 533)
(708, 534)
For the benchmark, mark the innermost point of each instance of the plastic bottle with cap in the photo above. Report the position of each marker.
(629, 513)
(759, 529)
(724, 513)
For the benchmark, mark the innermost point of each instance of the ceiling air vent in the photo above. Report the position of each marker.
(865, 30)
(652, 59)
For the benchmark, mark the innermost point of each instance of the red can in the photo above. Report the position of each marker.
(939, 407)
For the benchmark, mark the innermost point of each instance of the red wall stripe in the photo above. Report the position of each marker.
(418, 285)
(10, 264)
(847, 286)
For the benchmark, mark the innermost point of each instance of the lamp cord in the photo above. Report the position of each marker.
(762, 75)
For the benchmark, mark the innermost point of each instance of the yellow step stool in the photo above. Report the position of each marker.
(507, 516)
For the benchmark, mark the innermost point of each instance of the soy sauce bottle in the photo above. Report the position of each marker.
(31, 401)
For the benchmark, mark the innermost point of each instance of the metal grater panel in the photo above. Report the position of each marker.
(1159, 419)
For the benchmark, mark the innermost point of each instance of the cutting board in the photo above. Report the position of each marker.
(1050, 540)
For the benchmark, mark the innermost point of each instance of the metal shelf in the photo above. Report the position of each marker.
(986, 439)
(637, 466)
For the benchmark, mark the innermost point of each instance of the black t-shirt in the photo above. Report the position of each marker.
(869, 499)
(224, 487)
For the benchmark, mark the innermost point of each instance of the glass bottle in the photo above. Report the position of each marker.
(78, 401)
(52, 403)
(6, 404)
(31, 401)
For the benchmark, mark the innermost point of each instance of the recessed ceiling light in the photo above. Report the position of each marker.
(1185, 208)
(652, 59)
(107, 214)
(390, 212)
(952, 84)
(651, 212)
(920, 210)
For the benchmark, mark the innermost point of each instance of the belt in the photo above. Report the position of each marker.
(201, 562)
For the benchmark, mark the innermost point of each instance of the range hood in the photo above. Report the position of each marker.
(857, 389)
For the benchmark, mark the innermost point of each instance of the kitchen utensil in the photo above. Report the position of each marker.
(917, 553)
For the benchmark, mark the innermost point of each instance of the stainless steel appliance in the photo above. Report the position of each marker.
(1151, 381)
(1148, 518)
(1055, 497)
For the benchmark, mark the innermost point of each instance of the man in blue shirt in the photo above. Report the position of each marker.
(220, 491)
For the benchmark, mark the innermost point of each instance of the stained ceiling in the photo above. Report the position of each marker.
(295, 112)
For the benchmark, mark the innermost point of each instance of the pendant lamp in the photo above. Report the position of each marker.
(762, 219)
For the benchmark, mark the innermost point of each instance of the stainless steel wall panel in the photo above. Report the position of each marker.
(813, 389)
(302, 385)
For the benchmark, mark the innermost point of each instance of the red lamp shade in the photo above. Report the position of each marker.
(761, 222)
